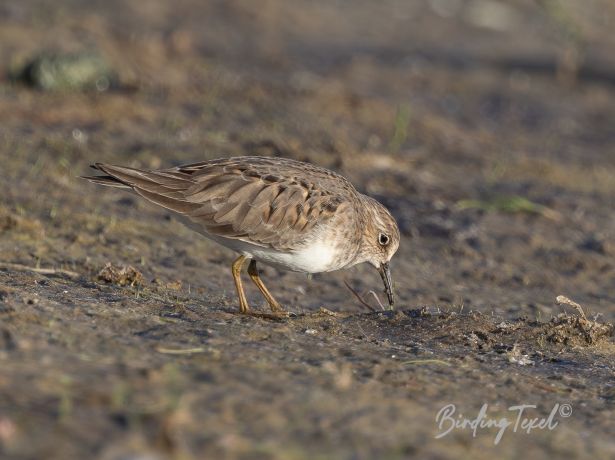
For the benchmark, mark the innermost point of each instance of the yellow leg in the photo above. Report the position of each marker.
(236, 269)
(254, 276)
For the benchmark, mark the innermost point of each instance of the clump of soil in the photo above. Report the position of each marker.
(122, 275)
(517, 338)
(576, 330)
(171, 285)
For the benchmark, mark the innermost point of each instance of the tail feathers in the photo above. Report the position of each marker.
(152, 181)
(108, 181)
(118, 176)
(164, 188)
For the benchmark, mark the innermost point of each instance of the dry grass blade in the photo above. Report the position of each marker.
(175, 351)
(427, 361)
(382, 307)
(42, 271)
(510, 204)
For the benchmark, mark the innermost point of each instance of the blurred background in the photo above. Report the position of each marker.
(486, 126)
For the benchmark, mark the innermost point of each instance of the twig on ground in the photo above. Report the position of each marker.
(356, 294)
(326, 311)
(563, 300)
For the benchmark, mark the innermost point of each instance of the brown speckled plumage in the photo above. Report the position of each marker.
(270, 209)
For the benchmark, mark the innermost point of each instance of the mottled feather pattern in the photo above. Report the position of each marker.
(282, 212)
(269, 202)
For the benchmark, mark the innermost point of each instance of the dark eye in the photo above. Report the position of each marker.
(383, 239)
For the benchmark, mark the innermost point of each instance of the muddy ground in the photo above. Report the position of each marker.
(486, 127)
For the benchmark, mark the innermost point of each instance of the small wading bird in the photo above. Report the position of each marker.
(278, 211)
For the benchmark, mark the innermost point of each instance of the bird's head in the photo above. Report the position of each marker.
(380, 241)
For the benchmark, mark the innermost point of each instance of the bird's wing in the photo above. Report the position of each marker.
(244, 200)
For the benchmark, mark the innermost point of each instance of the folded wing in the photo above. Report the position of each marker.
(234, 199)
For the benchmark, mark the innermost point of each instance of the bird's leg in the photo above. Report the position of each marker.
(236, 269)
(254, 276)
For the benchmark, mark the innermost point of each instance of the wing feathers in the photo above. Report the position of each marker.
(248, 198)
(182, 207)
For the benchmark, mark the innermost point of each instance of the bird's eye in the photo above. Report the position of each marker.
(383, 239)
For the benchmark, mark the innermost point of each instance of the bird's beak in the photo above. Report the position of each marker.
(385, 273)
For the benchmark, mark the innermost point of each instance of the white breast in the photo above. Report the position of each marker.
(315, 258)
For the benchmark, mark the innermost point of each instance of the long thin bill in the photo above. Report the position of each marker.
(385, 273)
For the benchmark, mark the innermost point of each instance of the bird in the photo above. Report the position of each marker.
(278, 211)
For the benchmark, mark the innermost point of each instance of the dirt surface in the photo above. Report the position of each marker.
(486, 127)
